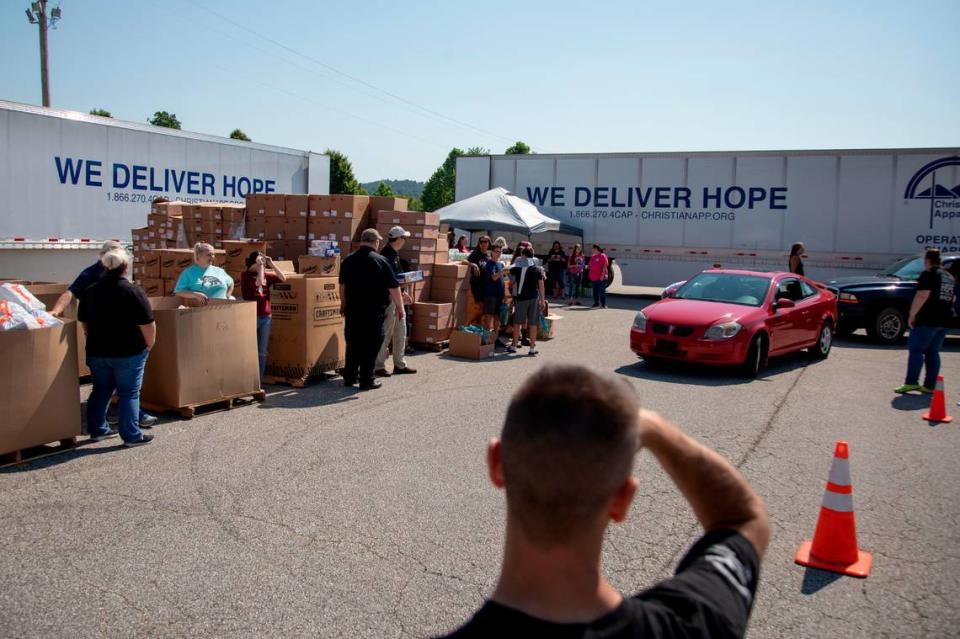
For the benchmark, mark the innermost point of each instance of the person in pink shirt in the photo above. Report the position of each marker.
(598, 272)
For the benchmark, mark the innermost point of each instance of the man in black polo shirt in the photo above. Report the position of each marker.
(367, 287)
(394, 331)
(565, 460)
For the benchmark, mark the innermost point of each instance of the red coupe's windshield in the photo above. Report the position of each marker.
(749, 290)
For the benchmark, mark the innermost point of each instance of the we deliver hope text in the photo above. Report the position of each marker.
(147, 178)
(734, 197)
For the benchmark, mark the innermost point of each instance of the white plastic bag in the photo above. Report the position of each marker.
(20, 295)
(15, 317)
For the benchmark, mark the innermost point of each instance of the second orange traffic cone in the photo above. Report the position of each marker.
(834, 546)
(938, 407)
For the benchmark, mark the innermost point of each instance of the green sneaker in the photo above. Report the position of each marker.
(906, 388)
(925, 390)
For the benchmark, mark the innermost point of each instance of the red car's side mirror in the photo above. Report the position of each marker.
(784, 303)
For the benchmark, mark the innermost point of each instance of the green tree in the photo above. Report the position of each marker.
(439, 190)
(342, 180)
(519, 148)
(237, 134)
(103, 113)
(384, 190)
(413, 203)
(478, 150)
(162, 118)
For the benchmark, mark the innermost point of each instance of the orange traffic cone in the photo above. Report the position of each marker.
(938, 407)
(834, 546)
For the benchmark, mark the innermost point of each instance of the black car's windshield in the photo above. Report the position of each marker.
(909, 268)
(749, 290)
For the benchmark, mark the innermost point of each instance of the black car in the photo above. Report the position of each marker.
(880, 303)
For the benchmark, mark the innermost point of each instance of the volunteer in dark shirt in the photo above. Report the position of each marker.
(931, 313)
(118, 321)
(255, 285)
(494, 291)
(796, 258)
(556, 268)
(394, 331)
(529, 299)
(565, 461)
(477, 261)
(367, 287)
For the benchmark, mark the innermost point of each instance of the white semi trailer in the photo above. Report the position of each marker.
(665, 216)
(68, 176)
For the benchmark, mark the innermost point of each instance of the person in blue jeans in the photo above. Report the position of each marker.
(930, 314)
(255, 285)
(118, 321)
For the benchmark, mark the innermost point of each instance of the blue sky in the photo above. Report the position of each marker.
(563, 76)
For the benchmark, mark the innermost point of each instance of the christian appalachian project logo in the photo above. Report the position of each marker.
(944, 198)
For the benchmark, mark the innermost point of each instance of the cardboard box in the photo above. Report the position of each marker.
(287, 250)
(273, 205)
(236, 252)
(202, 354)
(453, 271)
(469, 345)
(153, 287)
(169, 285)
(379, 203)
(274, 228)
(151, 264)
(233, 215)
(448, 290)
(295, 228)
(416, 259)
(211, 227)
(349, 206)
(172, 209)
(319, 266)
(419, 218)
(424, 232)
(173, 261)
(49, 293)
(256, 205)
(442, 256)
(420, 245)
(432, 310)
(140, 235)
(297, 206)
(339, 229)
(428, 336)
(420, 291)
(306, 334)
(257, 227)
(41, 402)
(389, 218)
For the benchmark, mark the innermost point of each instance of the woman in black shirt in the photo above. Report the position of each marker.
(118, 321)
(556, 268)
(796, 264)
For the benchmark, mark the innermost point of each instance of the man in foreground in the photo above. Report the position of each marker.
(367, 286)
(565, 462)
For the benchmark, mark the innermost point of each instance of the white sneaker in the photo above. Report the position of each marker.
(533, 351)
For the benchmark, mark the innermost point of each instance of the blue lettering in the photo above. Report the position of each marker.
(193, 183)
(243, 186)
(93, 171)
(208, 184)
(537, 195)
(662, 196)
(643, 196)
(778, 197)
(117, 169)
(577, 192)
(139, 178)
(600, 195)
(613, 199)
(739, 201)
(557, 196)
(68, 169)
(756, 194)
(157, 188)
(271, 186)
(257, 185)
(681, 194)
(178, 184)
(229, 186)
(708, 196)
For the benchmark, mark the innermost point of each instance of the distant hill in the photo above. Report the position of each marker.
(400, 187)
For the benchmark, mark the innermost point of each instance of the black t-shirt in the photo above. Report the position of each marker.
(938, 309)
(478, 282)
(368, 277)
(114, 310)
(393, 258)
(87, 278)
(710, 595)
(558, 265)
(530, 289)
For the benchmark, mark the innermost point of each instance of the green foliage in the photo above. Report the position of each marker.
(162, 118)
(103, 113)
(237, 134)
(342, 180)
(478, 150)
(401, 188)
(439, 190)
(413, 203)
(384, 190)
(519, 148)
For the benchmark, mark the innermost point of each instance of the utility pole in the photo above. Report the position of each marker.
(37, 14)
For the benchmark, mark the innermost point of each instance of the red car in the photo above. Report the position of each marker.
(729, 317)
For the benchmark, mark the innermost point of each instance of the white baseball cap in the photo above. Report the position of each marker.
(397, 232)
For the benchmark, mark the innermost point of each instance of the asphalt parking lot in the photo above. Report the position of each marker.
(324, 512)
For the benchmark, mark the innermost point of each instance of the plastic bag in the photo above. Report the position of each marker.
(544, 325)
(45, 319)
(15, 317)
(19, 294)
(504, 313)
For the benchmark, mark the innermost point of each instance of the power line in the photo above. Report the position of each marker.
(347, 75)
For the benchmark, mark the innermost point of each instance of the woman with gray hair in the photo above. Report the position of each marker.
(118, 321)
(202, 280)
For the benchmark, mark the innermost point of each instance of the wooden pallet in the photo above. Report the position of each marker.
(433, 347)
(223, 403)
(37, 452)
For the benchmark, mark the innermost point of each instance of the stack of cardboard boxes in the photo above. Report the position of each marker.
(212, 222)
(235, 254)
(434, 320)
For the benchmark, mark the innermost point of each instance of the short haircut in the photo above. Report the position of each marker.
(933, 255)
(115, 261)
(370, 235)
(110, 245)
(565, 454)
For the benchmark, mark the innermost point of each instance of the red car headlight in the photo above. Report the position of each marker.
(726, 330)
